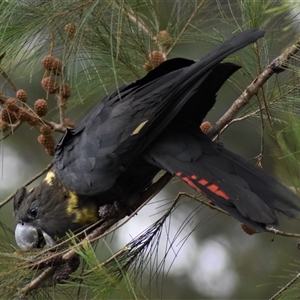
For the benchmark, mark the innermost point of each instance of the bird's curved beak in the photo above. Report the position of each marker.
(28, 237)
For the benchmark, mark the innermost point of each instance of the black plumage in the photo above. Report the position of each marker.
(141, 128)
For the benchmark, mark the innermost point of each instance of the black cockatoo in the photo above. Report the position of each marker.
(146, 126)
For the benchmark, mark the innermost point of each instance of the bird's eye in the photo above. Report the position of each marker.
(33, 212)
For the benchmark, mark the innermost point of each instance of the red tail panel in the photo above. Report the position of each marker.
(202, 185)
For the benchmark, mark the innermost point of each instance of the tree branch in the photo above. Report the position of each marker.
(278, 65)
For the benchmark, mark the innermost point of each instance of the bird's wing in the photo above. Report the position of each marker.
(90, 158)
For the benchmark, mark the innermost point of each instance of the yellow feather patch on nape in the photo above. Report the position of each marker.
(49, 178)
(84, 215)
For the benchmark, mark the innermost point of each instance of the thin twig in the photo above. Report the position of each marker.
(52, 44)
(205, 202)
(282, 233)
(37, 281)
(27, 183)
(11, 132)
(141, 25)
(55, 126)
(289, 284)
(7, 78)
(212, 206)
(61, 105)
(107, 261)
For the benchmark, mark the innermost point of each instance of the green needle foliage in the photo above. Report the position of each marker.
(104, 44)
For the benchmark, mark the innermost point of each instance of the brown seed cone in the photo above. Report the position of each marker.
(57, 66)
(205, 126)
(154, 60)
(7, 116)
(45, 130)
(66, 91)
(50, 150)
(248, 229)
(23, 115)
(49, 85)
(70, 30)
(3, 126)
(11, 104)
(32, 119)
(21, 95)
(41, 107)
(48, 62)
(48, 142)
(164, 39)
(68, 123)
(63, 272)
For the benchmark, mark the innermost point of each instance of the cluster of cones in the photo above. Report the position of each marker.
(16, 110)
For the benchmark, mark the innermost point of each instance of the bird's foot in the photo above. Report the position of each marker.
(118, 208)
(109, 211)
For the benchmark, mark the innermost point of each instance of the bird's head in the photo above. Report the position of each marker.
(47, 212)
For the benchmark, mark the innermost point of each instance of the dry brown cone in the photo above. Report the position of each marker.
(41, 107)
(49, 85)
(50, 151)
(70, 30)
(57, 66)
(48, 142)
(64, 271)
(205, 126)
(48, 62)
(154, 60)
(3, 126)
(33, 120)
(21, 95)
(164, 39)
(23, 115)
(248, 229)
(8, 117)
(66, 91)
(12, 105)
(45, 130)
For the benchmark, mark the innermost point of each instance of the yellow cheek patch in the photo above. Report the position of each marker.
(139, 128)
(84, 215)
(49, 178)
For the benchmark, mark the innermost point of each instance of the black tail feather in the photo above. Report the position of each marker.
(231, 182)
